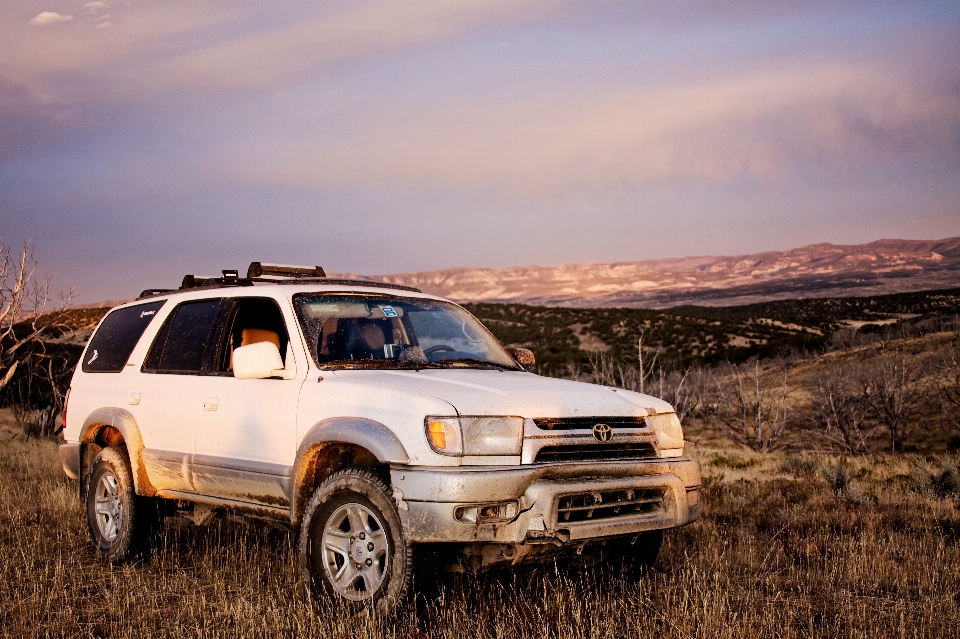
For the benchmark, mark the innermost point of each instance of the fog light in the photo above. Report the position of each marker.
(486, 513)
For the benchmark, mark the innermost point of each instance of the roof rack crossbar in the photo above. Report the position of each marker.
(340, 282)
(259, 269)
(229, 279)
(150, 292)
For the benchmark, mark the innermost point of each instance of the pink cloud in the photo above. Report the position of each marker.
(761, 125)
(49, 18)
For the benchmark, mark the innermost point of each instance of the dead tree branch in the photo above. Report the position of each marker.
(24, 315)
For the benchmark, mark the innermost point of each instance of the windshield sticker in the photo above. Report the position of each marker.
(388, 310)
(145, 313)
(95, 354)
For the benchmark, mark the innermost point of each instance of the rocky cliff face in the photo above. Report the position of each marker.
(818, 270)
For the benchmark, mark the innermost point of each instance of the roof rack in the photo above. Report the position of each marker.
(261, 273)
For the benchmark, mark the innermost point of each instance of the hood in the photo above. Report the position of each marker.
(495, 392)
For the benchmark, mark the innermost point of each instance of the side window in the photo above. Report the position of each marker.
(180, 345)
(248, 321)
(117, 336)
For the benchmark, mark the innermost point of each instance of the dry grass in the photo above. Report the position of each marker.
(778, 553)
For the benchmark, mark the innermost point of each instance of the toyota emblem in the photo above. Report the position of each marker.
(602, 433)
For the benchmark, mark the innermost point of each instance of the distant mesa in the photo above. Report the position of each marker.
(818, 270)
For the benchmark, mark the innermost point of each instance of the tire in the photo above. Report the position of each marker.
(120, 523)
(351, 544)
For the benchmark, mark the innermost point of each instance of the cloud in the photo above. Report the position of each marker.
(48, 18)
(94, 6)
(218, 48)
(764, 126)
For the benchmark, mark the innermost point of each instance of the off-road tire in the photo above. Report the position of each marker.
(120, 523)
(356, 491)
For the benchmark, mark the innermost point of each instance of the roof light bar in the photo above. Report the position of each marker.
(259, 269)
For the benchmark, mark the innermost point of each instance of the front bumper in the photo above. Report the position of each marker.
(429, 497)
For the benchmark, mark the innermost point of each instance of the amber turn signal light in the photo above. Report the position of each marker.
(438, 435)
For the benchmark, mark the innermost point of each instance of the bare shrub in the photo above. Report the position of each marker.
(800, 466)
(839, 477)
(752, 407)
(896, 391)
(839, 409)
(684, 390)
(948, 386)
(845, 338)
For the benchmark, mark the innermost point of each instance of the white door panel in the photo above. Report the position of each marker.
(166, 425)
(245, 433)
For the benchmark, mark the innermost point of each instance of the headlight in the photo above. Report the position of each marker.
(668, 430)
(475, 435)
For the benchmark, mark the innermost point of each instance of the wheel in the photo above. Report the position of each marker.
(352, 546)
(120, 523)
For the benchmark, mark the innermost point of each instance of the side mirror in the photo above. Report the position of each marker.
(524, 357)
(258, 361)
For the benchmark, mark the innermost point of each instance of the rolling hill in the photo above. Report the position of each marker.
(817, 270)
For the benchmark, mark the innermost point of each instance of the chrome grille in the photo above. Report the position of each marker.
(594, 452)
(587, 423)
(608, 504)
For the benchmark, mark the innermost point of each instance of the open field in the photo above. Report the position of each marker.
(784, 549)
(791, 543)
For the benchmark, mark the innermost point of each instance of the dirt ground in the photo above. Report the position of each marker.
(788, 546)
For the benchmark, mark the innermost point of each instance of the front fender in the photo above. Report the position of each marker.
(366, 433)
(125, 423)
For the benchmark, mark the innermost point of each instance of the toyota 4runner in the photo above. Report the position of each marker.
(375, 419)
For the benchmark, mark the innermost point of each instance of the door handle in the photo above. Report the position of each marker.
(210, 403)
(134, 399)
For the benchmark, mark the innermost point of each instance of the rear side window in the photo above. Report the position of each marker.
(117, 336)
(180, 346)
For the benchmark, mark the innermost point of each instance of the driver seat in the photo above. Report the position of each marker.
(365, 339)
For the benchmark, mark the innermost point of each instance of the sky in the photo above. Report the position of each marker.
(141, 141)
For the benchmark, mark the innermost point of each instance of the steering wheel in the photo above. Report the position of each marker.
(438, 348)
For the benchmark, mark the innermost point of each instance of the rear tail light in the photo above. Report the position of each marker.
(66, 401)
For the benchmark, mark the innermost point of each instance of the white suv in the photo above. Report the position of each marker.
(373, 418)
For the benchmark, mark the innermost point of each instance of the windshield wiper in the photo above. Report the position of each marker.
(475, 362)
(359, 364)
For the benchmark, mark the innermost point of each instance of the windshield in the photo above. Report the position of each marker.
(381, 331)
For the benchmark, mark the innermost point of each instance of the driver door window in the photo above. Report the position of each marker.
(250, 321)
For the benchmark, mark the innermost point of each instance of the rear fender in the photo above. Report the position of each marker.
(126, 425)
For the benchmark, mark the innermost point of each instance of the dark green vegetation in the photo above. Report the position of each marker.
(787, 546)
(698, 335)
